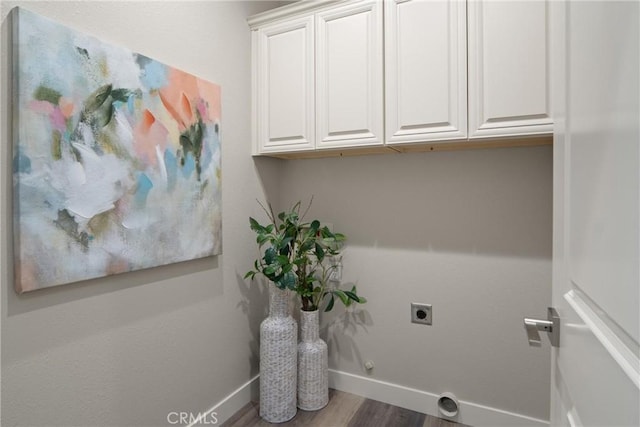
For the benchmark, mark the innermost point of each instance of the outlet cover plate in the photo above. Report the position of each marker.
(421, 313)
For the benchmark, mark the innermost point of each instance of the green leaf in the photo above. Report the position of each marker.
(339, 237)
(286, 250)
(290, 233)
(269, 256)
(330, 305)
(319, 252)
(343, 297)
(289, 280)
(352, 296)
(255, 226)
(306, 246)
(271, 269)
(325, 232)
(250, 274)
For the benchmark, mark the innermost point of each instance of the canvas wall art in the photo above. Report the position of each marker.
(116, 158)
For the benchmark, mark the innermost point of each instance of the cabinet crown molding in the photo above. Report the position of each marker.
(292, 10)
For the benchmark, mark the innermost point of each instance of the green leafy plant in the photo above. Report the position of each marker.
(299, 256)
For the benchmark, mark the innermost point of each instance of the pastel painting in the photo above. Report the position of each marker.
(116, 158)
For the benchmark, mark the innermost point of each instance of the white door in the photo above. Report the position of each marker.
(596, 280)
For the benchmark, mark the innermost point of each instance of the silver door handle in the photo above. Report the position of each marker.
(551, 326)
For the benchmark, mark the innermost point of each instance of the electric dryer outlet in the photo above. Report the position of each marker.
(421, 313)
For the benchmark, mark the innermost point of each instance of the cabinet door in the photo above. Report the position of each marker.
(425, 70)
(349, 76)
(508, 68)
(284, 111)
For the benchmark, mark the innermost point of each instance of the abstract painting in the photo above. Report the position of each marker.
(116, 158)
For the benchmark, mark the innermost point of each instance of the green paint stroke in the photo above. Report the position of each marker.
(101, 223)
(44, 93)
(97, 98)
(191, 142)
(68, 224)
(98, 108)
(83, 52)
(56, 145)
(121, 94)
(109, 143)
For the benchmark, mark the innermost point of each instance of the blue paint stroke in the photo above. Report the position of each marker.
(130, 105)
(21, 163)
(207, 154)
(188, 165)
(153, 74)
(144, 185)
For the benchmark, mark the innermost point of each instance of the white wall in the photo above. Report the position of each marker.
(126, 350)
(466, 231)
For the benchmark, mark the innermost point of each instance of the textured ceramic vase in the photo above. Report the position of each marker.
(278, 359)
(313, 370)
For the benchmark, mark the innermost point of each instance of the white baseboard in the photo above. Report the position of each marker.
(469, 413)
(231, 404)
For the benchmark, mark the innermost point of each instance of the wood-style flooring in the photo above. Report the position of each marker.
(344, 410)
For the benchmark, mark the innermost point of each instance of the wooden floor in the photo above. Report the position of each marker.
(344, 410)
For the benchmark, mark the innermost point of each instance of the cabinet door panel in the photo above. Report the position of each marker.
(349, 76)
(425, 70)
(285, 87)
(508, 68)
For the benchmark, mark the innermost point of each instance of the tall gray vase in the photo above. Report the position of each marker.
(313, 369)
(278, 359)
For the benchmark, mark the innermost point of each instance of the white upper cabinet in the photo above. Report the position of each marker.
(337, 74)
(349, 87)
(425, 70)
(508, 68)
(284, 101)
(317, 79)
